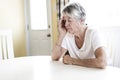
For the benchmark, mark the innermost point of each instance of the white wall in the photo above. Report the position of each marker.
(12, 17)
(101, 13)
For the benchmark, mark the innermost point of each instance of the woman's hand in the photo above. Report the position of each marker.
(61, 28)
(67, 59)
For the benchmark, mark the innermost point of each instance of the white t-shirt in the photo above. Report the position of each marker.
(91, 43)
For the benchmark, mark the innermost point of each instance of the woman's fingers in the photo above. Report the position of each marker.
(61, 22)
(61, 27)
(67, 59)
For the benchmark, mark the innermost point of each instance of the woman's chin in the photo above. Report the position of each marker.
(70, 32)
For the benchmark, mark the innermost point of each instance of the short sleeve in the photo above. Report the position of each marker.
(97, 40)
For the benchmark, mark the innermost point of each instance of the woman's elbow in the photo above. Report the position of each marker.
(54, 58)
(102, 65)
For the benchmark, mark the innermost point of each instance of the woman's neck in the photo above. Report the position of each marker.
(81, 32)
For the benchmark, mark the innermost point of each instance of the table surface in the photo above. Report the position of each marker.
(43, 68)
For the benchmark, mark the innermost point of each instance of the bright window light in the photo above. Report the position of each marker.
(38, 15)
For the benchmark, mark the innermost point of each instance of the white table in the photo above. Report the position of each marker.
(43, 68)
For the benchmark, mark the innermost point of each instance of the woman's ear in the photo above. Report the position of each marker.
(82, 21)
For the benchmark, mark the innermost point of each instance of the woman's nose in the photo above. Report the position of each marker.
(66, 24)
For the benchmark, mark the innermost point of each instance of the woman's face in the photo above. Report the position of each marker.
(71, 24)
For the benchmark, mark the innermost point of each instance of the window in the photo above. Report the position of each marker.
(38, 15)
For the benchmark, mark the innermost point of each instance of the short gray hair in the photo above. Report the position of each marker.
(75, 10)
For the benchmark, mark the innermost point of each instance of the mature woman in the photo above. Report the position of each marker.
(77, 43)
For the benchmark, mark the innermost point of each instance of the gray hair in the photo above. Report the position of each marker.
(75, 10)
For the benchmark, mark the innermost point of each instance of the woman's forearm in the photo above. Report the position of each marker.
(95, 63)
(57, 50)
(98, 62)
